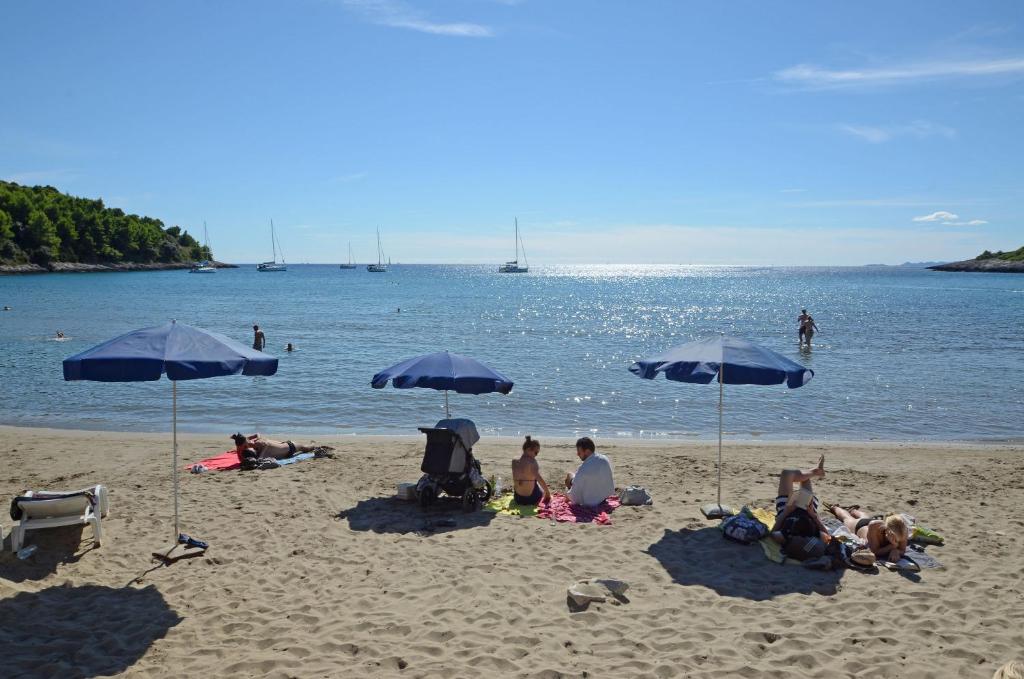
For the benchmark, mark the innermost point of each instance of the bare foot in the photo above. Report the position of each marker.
(819, 471)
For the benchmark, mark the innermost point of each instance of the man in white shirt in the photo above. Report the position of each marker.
(592, 482)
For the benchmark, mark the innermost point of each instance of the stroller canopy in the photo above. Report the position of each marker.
(463, 428)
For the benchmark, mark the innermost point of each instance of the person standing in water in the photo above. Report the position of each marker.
(807, 327)
(259, 340)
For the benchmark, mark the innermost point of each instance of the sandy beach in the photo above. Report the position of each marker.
(315, 571)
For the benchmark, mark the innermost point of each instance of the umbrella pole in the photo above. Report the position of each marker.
(447, 413)
(721, 389)
(174, 456)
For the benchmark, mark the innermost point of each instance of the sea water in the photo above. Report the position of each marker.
(902, 353)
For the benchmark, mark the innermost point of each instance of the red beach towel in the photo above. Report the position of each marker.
(564, 511)
(222, 462)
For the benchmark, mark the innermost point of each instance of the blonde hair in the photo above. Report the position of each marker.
(896, 524)
(1011, 670)
(530, 444)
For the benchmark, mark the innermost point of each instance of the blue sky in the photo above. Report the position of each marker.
(648, 132)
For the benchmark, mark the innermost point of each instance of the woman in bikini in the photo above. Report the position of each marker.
(526, 476)
(887, 537)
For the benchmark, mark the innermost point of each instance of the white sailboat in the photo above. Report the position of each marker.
(513, 265)
(380, 266)
(204, 266)
(273, 265)
(350, 264)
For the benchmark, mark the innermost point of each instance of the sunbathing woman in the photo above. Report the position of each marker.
(526, 476)
(259, 446)
(887, 538)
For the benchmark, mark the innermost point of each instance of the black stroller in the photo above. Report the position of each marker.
(449, 465)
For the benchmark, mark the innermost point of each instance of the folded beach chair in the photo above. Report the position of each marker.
(42, 509)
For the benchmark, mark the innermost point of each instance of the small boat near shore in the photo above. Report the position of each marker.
(204, 266)
(350, 264)
(273, 265)
(513, 266)
(380, 266)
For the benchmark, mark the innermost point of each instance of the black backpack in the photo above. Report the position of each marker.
(743, 528)
(799, 524)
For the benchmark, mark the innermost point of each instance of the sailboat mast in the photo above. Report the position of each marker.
(273, 240)
(516, 257)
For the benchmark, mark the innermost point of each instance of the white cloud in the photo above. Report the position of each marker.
(397, 14)
(940, 216)
(40, 177)
(948, 219)
(877, 134)
(348, 178)
(809, 75)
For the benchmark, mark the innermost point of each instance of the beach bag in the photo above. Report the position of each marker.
(635, 495)
(799, 524)
(804, 548)
(743, 528)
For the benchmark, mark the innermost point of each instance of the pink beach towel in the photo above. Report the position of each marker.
(567, 512)
(222, 462)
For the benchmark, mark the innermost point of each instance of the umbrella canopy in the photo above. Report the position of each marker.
(733, 361)
(443, 371)
(182, 352)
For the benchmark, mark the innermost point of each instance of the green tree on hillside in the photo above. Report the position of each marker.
(41, 224)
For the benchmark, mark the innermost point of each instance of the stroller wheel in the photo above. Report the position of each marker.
(427, 496)
(472, 502)
(487, 492)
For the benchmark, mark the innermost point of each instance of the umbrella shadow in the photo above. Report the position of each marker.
(54, 547)
(81, 632)
(391, 515)
(704, 557)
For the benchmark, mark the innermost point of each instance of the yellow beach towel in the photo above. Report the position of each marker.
(772, 550)
(506, 505)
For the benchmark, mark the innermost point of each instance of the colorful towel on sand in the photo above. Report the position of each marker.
(772, 550)
(222, 462)
(229, 460)
(564, 511)
(506, 504)
(296, 458)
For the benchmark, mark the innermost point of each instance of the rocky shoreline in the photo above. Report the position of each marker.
(993, 265)
(79, 267)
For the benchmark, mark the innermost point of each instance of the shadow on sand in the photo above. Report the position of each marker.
(703, 557)
(54, 546)
(86, 631)
(391, 515)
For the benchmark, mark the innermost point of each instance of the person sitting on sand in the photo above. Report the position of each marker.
(592, 483)
(259, 446)
(526, 478)
(887, 537)
(796, 510)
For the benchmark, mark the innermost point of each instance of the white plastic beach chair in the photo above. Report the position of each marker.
(49, 509)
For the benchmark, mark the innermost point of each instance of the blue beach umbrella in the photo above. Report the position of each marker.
(445, 372)
(732, 361)
(182, 352)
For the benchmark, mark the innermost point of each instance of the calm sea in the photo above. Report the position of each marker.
(902, 353)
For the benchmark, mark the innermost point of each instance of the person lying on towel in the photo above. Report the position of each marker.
(530, 486)
(592, 483)
(257, 446)
(887, 537)
(797, 526)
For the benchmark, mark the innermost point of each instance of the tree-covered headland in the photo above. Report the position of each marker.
(41, 225)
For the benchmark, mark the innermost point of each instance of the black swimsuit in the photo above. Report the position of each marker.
(531, 499)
